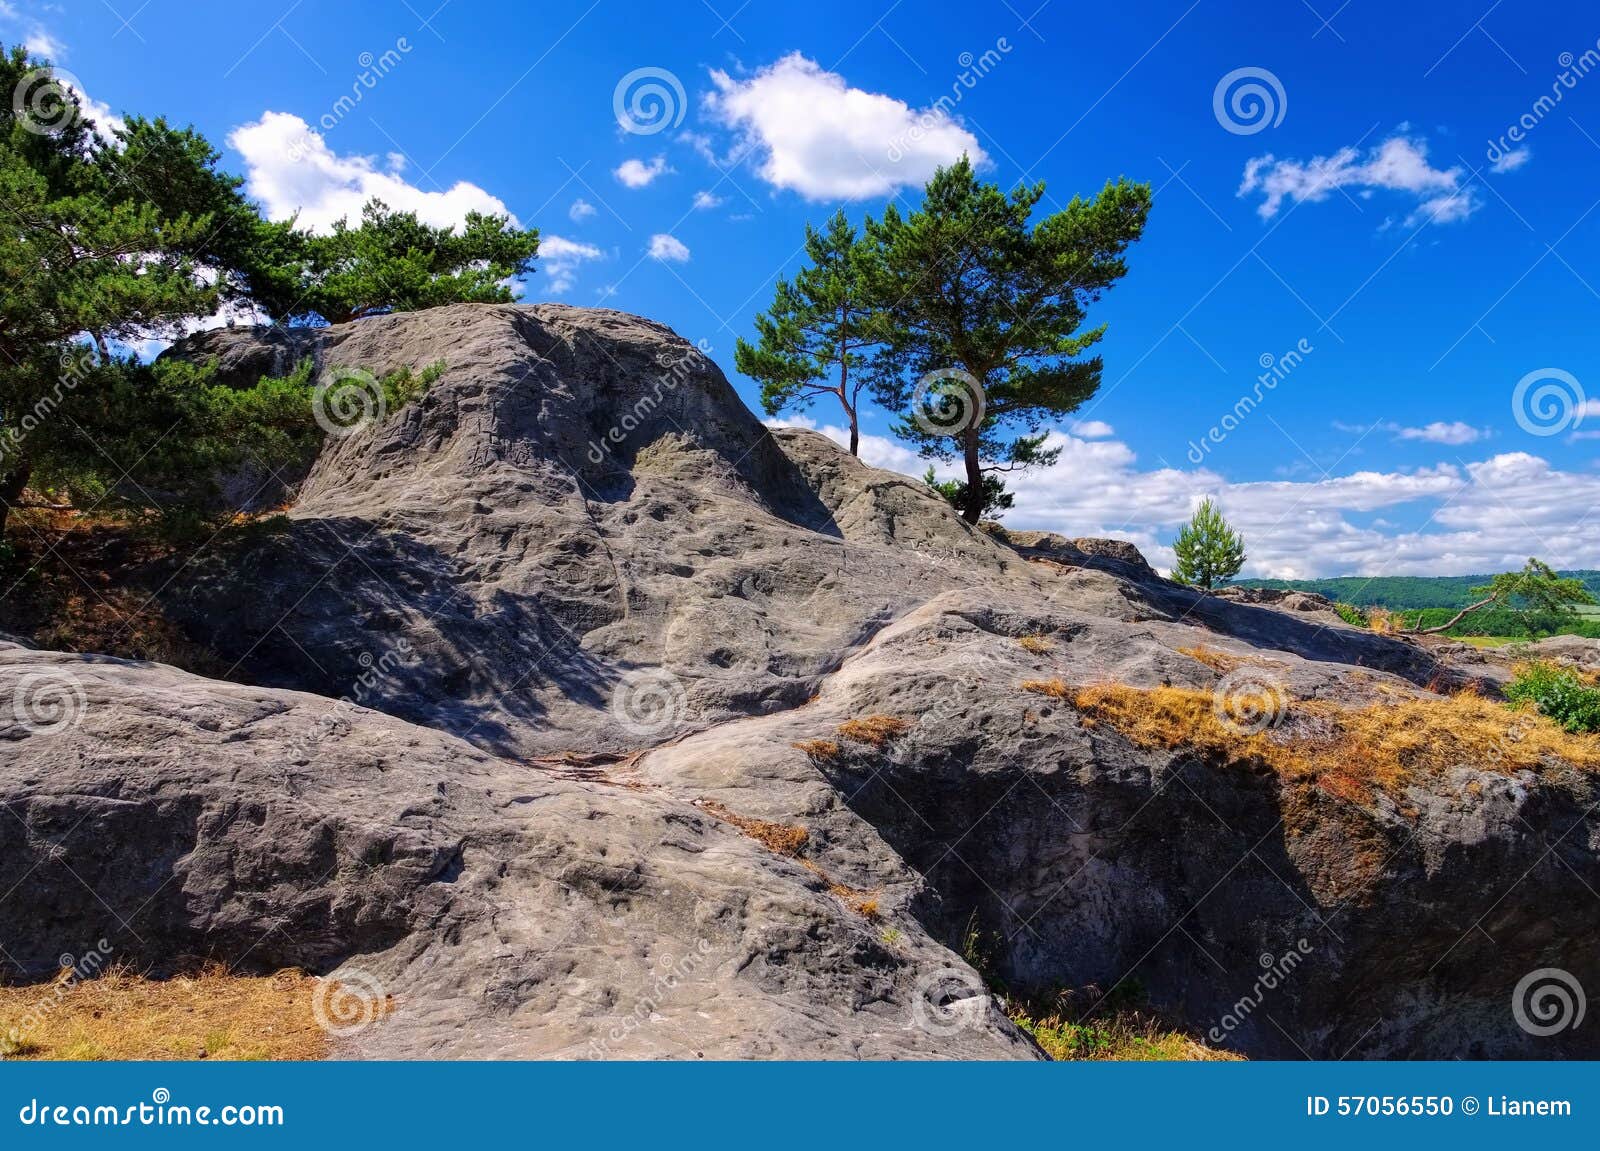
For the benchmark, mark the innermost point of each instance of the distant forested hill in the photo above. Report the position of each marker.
(1401, 593)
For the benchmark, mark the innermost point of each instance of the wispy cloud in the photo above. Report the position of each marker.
(560, 259)
(1399, 164)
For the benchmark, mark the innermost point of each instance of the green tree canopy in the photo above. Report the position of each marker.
(111, 236)
(986, 313)
(1209, 551)
(818, 334)
(1536, 588)
(391, 261)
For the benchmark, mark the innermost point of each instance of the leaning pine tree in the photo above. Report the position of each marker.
(819, 332)
(1209, 551)
(986, 311)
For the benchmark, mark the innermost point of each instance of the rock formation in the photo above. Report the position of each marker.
(543, 719)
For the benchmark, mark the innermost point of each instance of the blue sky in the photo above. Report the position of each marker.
(1364, 223)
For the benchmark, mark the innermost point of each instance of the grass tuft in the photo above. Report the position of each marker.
(779, 838)
(1121, 1036)
(1037, 644)
(1053, 688)
(875, 730)
(820, 750)
(1218, 661)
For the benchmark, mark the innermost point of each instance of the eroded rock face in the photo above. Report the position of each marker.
(513, 910)
(593, 606)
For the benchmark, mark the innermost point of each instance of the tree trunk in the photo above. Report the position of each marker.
(12, 484)
(969, 455)
(1457, 618)
(844, 389)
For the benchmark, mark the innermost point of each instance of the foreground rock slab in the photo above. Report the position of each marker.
(510, 912)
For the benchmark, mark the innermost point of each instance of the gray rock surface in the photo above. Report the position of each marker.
(589, 605)
(512, 910)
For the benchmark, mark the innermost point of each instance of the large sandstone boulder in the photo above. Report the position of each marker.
(530, 660)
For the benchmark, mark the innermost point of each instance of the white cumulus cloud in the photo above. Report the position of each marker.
(1511, 161)
(290, 168)
(581, 209)
(1092, 429)
(1488, 516)
(638, 174)
(816, 135)
(665, 247)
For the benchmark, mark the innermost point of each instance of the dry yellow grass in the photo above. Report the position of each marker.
(1216, 660)
(819, 749)
(779, 838)
(213, 1015)
(875, 730)
(790, 840)
(1037, 644)
(863, 903)
(1384, 622)
(1348, 751)
(1053, 688)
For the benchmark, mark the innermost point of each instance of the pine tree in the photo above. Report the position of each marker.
(818, 334)
(393, 262)
(112, 236)
(1209, 551)
(985, 311)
